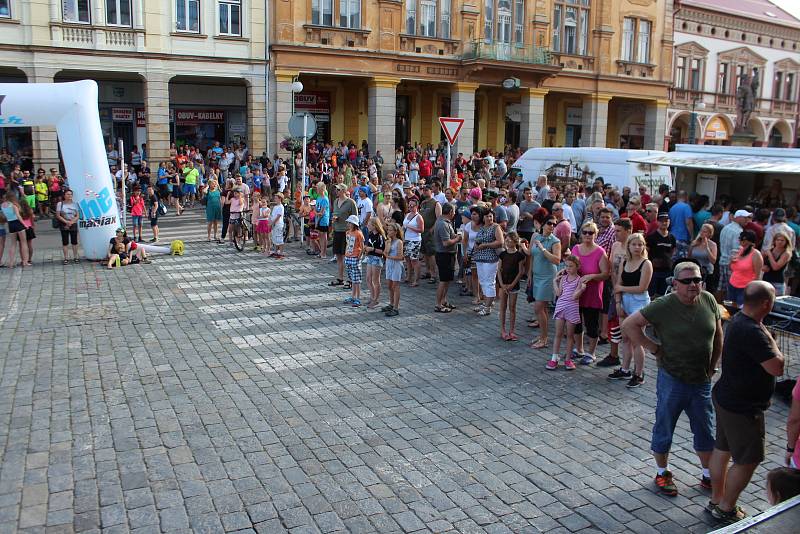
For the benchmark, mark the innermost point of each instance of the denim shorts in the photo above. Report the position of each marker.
(633, 302)
(376, 261)
(735, 294)
(136, 220)
(674, 397)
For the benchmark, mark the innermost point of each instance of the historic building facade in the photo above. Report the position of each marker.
(188, 71)
(576, 72)
(719, 42)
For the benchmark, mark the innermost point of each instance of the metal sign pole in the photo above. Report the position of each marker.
(447, 183)
(303, 183)
(123, 209)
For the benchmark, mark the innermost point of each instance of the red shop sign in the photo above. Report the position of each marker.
(313, 101)
(141, 121)
(193, 116)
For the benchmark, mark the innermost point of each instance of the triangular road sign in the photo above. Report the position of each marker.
(452, 127)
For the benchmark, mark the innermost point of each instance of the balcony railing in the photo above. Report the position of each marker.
(507, 52)
(683, 98)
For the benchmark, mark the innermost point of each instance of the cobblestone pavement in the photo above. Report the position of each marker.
(222, 391)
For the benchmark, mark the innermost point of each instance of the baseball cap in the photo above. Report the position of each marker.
(662, 216)
(353, 219)
(779, 215)
(406, 185)
(742, 213)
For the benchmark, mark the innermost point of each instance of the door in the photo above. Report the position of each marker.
(402, 128)
(124, 131)
(573, 136)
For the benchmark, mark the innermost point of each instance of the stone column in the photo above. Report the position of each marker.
(462, 105)
(531, 133)
(257, 115)
(595, 120)
(283, 99)
(655, 124)
(381, 117)
(156, 105)
(44, 138)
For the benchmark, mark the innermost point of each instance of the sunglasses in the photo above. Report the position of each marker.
(558, 209)
(550, 223)
(587, 233)
(687, 281)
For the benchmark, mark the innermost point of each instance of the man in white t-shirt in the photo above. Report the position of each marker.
(365, 207)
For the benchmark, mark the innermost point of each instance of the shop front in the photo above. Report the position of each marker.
(317, 104)
(202, 127)
(717, 132)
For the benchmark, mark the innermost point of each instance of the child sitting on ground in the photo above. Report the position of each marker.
(119, 258)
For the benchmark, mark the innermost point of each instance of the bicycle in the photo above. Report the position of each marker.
(242, 229)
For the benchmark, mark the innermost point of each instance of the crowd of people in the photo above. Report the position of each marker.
(605, 262)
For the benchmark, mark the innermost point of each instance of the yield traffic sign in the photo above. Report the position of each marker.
(452, 127)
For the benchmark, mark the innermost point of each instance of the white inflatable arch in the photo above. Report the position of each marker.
(72, 108)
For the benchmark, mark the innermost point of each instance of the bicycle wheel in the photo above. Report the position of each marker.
(238, 237)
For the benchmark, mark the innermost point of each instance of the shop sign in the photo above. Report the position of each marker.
(122, 114)
(313, 101)
(141, 121)
(193, 116)
(716, 130)
(575, 116)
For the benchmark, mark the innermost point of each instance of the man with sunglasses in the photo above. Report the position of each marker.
(689, 328)
(660, 247)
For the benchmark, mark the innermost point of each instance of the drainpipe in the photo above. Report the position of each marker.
(266, 75)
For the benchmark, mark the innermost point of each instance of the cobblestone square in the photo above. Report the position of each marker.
(227, 392)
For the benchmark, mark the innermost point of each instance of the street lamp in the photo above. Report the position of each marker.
(697, 103)
(297, 87)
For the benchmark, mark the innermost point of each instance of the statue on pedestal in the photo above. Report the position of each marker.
(746, 95)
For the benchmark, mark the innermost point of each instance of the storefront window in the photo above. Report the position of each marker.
(199, 128)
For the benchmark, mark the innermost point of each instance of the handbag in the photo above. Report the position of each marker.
(162, 208)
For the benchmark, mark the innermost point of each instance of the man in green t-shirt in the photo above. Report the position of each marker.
(689, 329)
(190, 175)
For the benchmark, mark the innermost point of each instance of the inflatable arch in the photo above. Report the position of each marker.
(72, 108)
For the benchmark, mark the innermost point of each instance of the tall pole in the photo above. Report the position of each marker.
(303, 174)
(123, 209)
(447, 174)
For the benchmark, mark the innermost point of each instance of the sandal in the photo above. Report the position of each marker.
(348, 285)
(432, 281)
(337, 282)
(442, 309)
(533, 324)
(512, 337)
(66, 262)
(425, 276)
(539, 344)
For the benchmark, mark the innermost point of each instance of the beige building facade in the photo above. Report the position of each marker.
(576, 72)
(717, 43)
(189, 71)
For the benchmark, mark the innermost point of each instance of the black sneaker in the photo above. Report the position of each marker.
(619, 374)
(387, 308)
(705, 483)
(392, 313)
(635, 382)
(608, 361)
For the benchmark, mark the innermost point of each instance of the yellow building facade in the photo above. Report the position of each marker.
(527, 73)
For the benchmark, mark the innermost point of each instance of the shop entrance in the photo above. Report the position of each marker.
(402, 127)
(573, 136)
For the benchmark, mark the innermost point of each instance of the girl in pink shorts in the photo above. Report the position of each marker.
(568, 288)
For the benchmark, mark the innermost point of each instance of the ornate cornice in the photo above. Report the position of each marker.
(736, 25)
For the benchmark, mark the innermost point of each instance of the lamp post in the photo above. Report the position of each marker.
(697, 103)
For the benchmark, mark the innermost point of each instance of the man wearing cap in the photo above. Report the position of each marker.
(728, 246)
(689, 328)
(445, 240)
(682, 225)
(660, 246)
(778, 226)
(343, 207)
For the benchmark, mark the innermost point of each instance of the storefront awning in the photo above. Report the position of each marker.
(724, 162)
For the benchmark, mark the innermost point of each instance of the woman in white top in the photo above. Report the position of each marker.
(470, 271)
(413, 226)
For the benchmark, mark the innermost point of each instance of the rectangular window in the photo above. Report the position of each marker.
(444, 18)
(427, 18)
(628, 36)
(519, 21)
(76, 11)
(643, 44)
(724, 78)
(187, 16)
(488, 23)
(570, 31)
(230, 17)
(118, 12)
(789, 92)
(696, 74)
(5, 9)
(777, 87)
(583, 45)
(411, 17)
(557, 28)
(350, 13)
(680, 72)
(322, 12)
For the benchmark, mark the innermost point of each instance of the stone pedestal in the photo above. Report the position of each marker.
(743, 139)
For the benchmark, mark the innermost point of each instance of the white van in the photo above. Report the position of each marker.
(588, 164)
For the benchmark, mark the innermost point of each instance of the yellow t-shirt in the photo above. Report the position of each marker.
(41, 191)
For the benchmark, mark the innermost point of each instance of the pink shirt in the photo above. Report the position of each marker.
(590, 264)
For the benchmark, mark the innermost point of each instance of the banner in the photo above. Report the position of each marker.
(72, 107)
(141, 118)
(185, 117)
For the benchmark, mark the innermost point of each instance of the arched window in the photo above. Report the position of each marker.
(428, 18)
